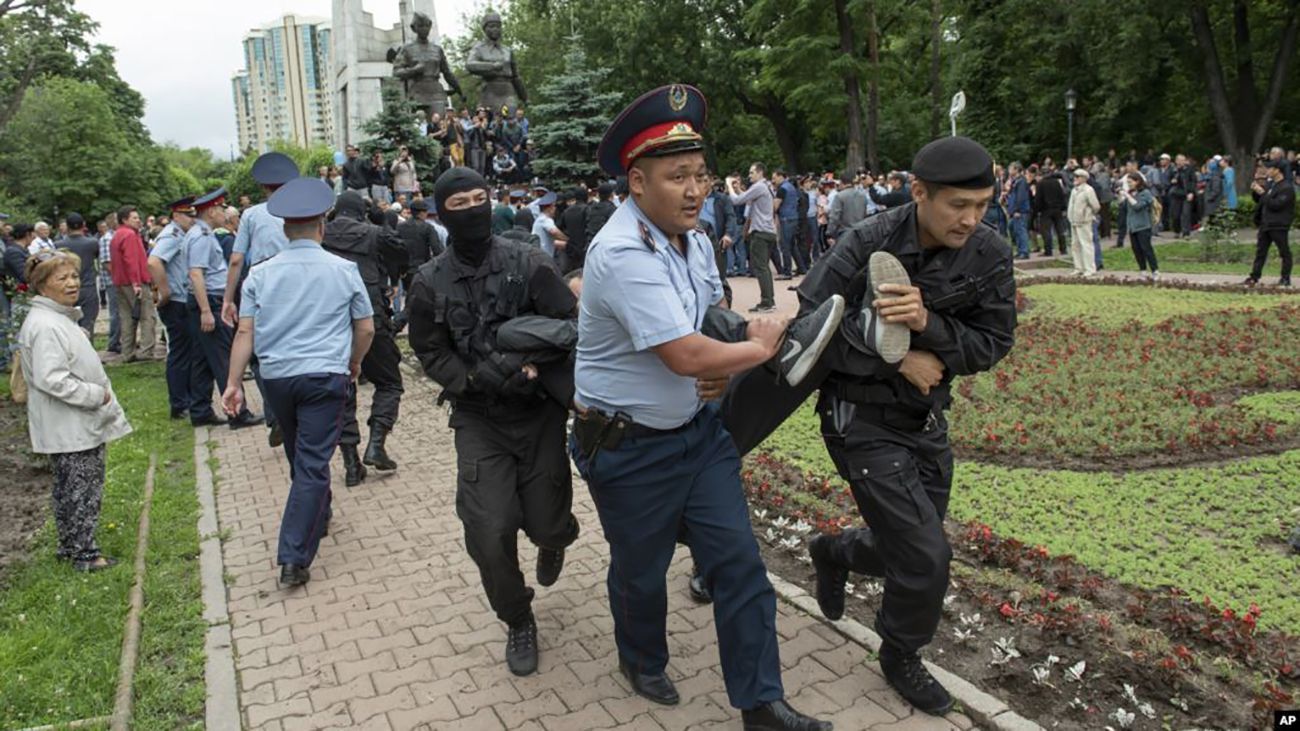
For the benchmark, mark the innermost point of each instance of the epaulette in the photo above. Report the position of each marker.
(646, 237)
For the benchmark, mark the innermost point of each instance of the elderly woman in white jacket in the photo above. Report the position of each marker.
(71, 410)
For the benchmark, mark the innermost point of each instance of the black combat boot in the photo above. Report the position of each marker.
(521, 647)
(294, 575)
(831, 577)
(550, 561)
(375, 455)
(353, 471)
(700, 593)
(779, 716)
(905, 672)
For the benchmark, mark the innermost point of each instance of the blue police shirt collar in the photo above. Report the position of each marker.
(303, 244)
(202, 226)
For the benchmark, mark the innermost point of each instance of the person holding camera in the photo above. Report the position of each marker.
(405, 180)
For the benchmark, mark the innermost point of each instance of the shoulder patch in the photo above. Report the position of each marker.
(646, 237)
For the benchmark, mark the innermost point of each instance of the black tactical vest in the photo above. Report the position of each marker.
(473, 322)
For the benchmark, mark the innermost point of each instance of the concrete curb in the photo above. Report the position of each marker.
(222, 707)
(984, 709)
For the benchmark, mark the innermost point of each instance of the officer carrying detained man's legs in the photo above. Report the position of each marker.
(512, 469)
(371, 247)
(931, 296)
(655, 456)
(307, 316)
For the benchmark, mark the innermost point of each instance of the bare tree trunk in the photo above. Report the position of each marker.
(770, 107)
(873, 88)
(936, 92)
(852, 88)
(1243, 122)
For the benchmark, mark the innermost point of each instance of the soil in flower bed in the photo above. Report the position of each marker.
(24, 487)
(1018, 623)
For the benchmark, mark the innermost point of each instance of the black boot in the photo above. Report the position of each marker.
(294, 575)
(779, 716)
(905, 672)
(551, 560)
(521, 647)
(831, 577)
(375, 455)
(700, 593)
(656, 687)
(353, 471)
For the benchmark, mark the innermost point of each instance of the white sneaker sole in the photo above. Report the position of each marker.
(895, 338)
(813, 353)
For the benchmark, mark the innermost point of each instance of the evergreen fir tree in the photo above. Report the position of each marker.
(568, 124)
(394, 126)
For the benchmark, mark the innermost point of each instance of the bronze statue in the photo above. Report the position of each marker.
(495, 64)
(419, 64)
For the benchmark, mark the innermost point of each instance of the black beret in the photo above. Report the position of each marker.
(665, 121)
(959, 162)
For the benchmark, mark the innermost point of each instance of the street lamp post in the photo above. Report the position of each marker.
(1071, 98)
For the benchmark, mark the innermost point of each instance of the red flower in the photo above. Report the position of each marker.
(22, 287)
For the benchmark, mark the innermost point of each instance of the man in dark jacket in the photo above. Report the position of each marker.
(1274, 211)
(422, 243)
(1050, 200)
(600, 211)
(87, 249)
(356, 172)
(573, 224)
(375, 250)
(1182, 196)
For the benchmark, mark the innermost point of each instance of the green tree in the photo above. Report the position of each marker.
(571, 118)
(64, 150)
(37, 38)
(394, 126)
(238, 176)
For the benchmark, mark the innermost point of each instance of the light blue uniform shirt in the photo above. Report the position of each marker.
(170, 249)
(203, 251)
(261, 235)
(542, 230)
(303, 303)
(634, 299)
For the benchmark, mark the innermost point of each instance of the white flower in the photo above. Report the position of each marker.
(761, 514)
(1041, 672)
(802, 528)
(1124, 718)
(1146, 710)
(770, 535)
(963, 635)
(1179, 703)
(792, 543)
(1075, 671)
(781, 523)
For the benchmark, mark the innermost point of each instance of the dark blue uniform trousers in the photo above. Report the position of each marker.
(180, 351)
(211, 362)
(309, 409)
(645, 491)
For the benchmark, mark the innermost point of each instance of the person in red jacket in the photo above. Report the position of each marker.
(130, 269)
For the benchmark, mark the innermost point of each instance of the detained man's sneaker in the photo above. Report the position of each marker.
(521, 647)
(906, 673)
(831, 578)
(779, 716)
(806, 339)
(891, 340)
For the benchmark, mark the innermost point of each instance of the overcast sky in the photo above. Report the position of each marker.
(181, 56)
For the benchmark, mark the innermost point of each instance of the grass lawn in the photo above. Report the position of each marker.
(1213, 530)
(1185, 257)
(61, 632)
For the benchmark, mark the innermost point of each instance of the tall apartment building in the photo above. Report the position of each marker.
(285, 90)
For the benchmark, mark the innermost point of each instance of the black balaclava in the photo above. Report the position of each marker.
(351, 205)
(470, 229)
(524, 219)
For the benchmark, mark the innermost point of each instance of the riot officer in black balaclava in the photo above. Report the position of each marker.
(513, 469)
(373, 248)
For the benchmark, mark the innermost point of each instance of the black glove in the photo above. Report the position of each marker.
(519, 385)
(493, 372)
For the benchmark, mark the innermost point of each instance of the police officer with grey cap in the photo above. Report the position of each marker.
(931, 272)
(306, 315)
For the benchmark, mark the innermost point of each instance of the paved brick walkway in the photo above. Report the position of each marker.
(393, 632)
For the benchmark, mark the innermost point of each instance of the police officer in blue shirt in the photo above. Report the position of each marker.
(169, 267)
(307, 317)
(656, 457)
(207, 280)
(261, 236)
